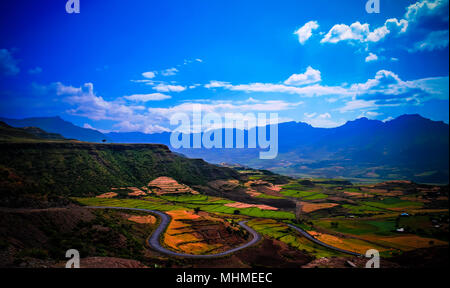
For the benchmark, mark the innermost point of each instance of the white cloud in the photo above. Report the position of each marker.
(147, 97)
(358, 105)
(217, 84)
(369, 114)
(425, 22)
(306, 91)
(361, 32)
(227, 107)
(321, 120)
(310, 115)
(193, 86)
(169, 88)
(149, 75)
(371, 57)
(434, 40)
(62, 89)
(128, 126)
(421, 10)
(309, 77)
(332, 100)
(88, 126)
(305, 32)
(341, 32)
(8, 64)
(170, 72)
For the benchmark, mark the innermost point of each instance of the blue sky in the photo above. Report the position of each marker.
(129, 65)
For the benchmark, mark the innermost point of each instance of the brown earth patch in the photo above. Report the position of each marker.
(149, 219)
(245, 205)
(108, 195)
(167, 185)
(136, 192)
(311, 207)
(200, 233)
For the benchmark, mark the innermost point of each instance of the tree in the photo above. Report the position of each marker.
(196, 210)
(237, 212)
(104, 140)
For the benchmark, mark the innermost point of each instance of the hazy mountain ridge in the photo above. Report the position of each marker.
(59, 126)
(408, 147)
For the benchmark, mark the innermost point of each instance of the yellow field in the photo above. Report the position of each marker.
(311, 207)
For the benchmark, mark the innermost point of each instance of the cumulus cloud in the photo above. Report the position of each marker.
(147, 97)
(371, 57)
(426, 11)
(429, 22)
(434, 40)
(162, 87)
(129, 117)
(222, 107)
(149, 75)
(425, 19)
(305, 32)
(388, 89)
(169, 72)
(305, 91)
(129, 126)
(358, 32)
(309, 77)
(8, 64)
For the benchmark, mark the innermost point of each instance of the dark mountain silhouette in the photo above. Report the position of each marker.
(11, 134)
(59, 126)
(408, 147)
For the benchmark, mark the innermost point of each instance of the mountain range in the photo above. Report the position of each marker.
(409, 147)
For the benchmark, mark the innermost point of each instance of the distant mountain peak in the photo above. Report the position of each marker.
(58, 125)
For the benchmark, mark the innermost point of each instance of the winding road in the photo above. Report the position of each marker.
(318, 242)
(154, 242)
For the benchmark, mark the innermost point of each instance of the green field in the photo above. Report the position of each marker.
(362, 209)
(393, 203)
(265, 196)
(316, 196)
(167, 206)
(285, 234)
(360, 227)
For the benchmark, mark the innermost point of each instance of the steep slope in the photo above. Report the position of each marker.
(75, 169)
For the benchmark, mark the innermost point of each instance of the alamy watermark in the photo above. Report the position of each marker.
(206, 131)
(74, 261)
(373, 6)
(73, 6)
(374, 262)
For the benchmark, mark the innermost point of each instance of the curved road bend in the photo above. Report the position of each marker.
(165, 220)
(318, 242)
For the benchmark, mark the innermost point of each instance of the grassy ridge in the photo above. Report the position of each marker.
(165, 206)
(86, 169)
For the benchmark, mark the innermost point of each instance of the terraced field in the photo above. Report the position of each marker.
(344, 216)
